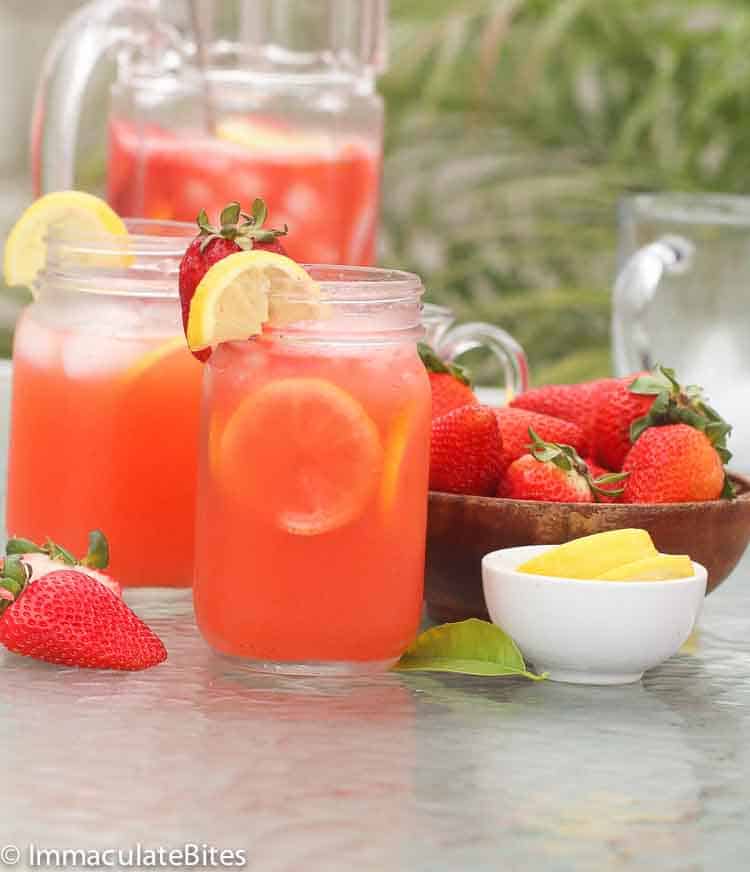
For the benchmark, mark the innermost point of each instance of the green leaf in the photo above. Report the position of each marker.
(23, 546)
(728, 492)
(430, 358)
(230, 215)
(97, 557)
(16, 570)
(471, 647)
(260, 212)
(57, 552)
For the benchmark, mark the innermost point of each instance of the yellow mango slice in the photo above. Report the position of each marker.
(592, 556)
(660, 568)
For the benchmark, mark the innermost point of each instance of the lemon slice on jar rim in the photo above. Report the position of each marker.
(26, 247)
(246, 290)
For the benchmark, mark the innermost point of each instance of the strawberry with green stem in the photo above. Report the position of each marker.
(237, 231)
(555, 473)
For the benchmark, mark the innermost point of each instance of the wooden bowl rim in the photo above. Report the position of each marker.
(743, 483)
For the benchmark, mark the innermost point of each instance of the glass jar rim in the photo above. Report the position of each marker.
(145, 263)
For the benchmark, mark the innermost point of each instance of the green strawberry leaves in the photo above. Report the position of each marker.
(97, 556)
(565, 457)
(674, 404)
(241, 227)
(434, 363)
(471, 647)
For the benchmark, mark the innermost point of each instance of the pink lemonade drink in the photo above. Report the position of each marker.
(325, 187)
(105, 409)
(312, 494)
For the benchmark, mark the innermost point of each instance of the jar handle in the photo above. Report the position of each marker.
(84, 40)
(634, 289)
(510, 354)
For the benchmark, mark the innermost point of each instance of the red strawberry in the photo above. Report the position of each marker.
(69, 618)
(239, 231)
(450, 384)
(617, 408)
(466, 450)
(554, 473)
(514, 428)
(675, 463)
(43, 559)
(576, 402)
(651, 399)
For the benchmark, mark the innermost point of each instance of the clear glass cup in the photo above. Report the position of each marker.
(312, 496)
(240, 99)
(451, 341)
(105, 405)
(680, 298)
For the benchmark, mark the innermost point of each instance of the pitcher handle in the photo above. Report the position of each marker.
(80, 45)
(509, 353)
(634, 290)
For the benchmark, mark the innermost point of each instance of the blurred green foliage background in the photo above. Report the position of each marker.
(515, 125)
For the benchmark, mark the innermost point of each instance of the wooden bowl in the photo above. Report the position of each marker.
(461, 530)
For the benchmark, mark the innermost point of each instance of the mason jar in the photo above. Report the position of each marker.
(105, 404)
(313, 476)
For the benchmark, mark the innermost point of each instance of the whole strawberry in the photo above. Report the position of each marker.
(514, 427)
(554, 473)
(571, 402)
(466, 452)
(71, 619)
(450, 384)
(239, 231)
(675, 463)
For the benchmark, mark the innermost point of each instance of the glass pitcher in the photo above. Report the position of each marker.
(221, 100)
(680, 298)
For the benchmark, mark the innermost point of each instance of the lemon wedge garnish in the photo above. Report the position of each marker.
(85, 215)
(246, 290)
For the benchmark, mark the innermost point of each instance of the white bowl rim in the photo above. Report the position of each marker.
(701, 573)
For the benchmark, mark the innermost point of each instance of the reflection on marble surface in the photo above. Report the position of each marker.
(399, 772)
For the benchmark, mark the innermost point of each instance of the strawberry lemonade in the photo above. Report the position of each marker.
(325, 187)
(105, 406)
(312, 494)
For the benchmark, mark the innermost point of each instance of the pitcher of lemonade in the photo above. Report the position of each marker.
(216, 100)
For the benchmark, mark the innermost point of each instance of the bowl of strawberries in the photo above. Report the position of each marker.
(564, 461)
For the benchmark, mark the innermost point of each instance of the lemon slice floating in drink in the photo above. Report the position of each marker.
(246, 290)
(26, 247)
(304, 454)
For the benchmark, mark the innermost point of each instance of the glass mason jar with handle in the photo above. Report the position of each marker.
(106, 404)
(218, 100)
(680, 298)
(312, 496)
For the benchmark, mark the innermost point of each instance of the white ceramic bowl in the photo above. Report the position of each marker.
(590, 632)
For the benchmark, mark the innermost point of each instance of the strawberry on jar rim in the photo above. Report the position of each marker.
(237, 231)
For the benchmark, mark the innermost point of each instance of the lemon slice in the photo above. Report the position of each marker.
(150, 360)
(302, 453)
(662, 567)
(240, 293)
(592, 556)
(26, 246)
